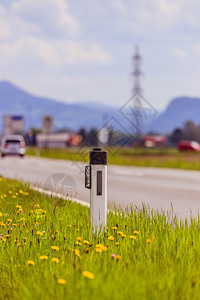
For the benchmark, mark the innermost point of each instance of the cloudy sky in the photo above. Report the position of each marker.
(81, 50)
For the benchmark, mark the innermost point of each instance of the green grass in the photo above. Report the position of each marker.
(165, 268)
(159, 158)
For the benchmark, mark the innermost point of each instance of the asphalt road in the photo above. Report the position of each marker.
(126, 185)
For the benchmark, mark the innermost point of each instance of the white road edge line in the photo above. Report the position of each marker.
(53, 194)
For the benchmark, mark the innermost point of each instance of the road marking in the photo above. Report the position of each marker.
(53, 194)
(127, 173)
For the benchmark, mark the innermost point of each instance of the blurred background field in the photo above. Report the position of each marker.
(143, 157)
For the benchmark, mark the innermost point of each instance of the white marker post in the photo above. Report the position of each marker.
(96, 181)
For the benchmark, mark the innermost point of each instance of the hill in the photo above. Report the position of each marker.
(179, 111)
(14, 100)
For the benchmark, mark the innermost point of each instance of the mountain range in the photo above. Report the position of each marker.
(74, 116)
(15, 101)
(178, 111)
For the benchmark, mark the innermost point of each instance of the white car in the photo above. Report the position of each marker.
(13, 145)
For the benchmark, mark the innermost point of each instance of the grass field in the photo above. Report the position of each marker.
(48, 252)
(160, 158)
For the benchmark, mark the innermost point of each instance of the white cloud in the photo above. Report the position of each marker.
(156, 15)
(2, 10)
(28, 51)
(44, 34)
(196, 48)
(34, 51)
(192, 20)
(76, 53)
(5, 28)
(52, 16)
(44, 50)
(119, 6)
(167, 7)
(179, 52)
(7, 52)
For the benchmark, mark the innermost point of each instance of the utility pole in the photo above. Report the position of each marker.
(137, 60)
(137, 97)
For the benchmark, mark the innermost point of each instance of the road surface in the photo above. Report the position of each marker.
(126, 185)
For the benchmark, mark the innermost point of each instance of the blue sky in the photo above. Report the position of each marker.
(77, 51)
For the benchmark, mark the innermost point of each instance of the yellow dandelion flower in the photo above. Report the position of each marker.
(54, 259)
(88, 274)
(61, 281)
(9, 221)
(117, 244)
(1, 214)
(44, 257)
(98, 250)
(39, 233)
(54, 247)
(78, 243)
(69, 225)
(25, 193)
(133, 237)
(10, 192)
(118, 257)
(79, 238)
(148, 241)
(76, 251)
(114, 228)
(14, 196)
(111, 238)
(102, 247)
(30, 262)
(136, 232)
(120, 232)
(86, 242)
(4, 240)
(21, 192)
(99, 246)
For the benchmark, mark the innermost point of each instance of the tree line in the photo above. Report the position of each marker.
(189, 131)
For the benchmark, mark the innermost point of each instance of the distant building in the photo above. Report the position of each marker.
(58, 140)
(151, 141)
(13, 124)
(47, 124)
